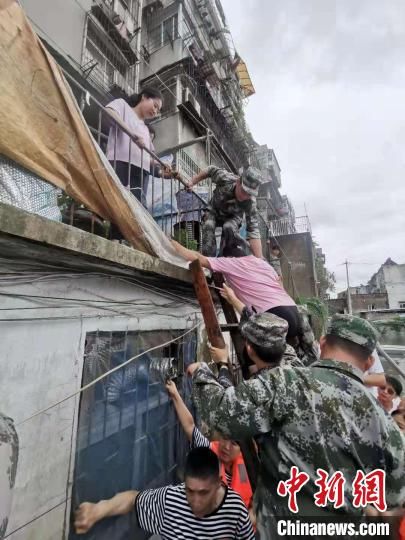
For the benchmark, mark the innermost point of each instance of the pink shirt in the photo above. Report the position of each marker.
(253, 280)
(137, 126)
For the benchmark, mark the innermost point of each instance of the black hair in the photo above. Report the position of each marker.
(148, 92)
(202, 463)
(397, 412)
(236, 247)
(396, 385)
(276, 246)
(358, 351)
(270, 355)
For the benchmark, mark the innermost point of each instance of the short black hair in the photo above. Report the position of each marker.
(270, 355)
(202, 463)
(358, 351)
(236, 248)
(396, 385)
(276, 246)
(398, 412)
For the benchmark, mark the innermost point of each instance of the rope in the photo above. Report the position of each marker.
(113, 370)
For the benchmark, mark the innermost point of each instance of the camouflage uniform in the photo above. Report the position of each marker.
(276, 264)
(226, 211)
(313, 417)
(307, 348)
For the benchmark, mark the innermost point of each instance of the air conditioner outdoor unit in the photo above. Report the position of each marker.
(118, 80)
(188, 97)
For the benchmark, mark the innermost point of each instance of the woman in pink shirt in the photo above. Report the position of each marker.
(254, 281)
(131, 164)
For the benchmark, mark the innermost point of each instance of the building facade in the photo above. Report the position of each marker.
(75, 307)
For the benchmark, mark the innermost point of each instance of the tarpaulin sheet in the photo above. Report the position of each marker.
(43, 129)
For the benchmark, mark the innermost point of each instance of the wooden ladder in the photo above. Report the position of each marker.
(214, 332)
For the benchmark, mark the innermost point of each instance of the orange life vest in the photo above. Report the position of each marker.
(402, 529)
(240, 480)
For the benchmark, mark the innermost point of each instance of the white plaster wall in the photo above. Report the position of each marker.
(41, 363)
(60, 22)
(395, 284)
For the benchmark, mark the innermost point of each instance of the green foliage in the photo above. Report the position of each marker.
(396, 324)
(326, 279)
(318, 311)
(182, 237)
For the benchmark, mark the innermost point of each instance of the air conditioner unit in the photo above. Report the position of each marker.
(118, 80)
(189, 98)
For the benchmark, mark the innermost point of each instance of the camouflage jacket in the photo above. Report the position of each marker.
(313, 417)
(224, 203)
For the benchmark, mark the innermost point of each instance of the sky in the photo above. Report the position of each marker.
(330, 78)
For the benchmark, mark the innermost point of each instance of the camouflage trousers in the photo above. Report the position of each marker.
(230, 229)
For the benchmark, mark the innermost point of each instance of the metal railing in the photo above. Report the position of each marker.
(177, 211)
(282, 227)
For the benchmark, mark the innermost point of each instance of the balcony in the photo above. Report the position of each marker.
(177, 212)
(119, 19)
(282, 227)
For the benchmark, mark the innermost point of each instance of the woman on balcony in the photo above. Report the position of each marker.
(131, 163)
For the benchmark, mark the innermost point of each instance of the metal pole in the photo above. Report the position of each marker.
(391, 362)
(349, 298)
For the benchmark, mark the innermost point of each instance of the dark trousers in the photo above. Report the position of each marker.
(291, 315)
(137, 179)
(230, 230)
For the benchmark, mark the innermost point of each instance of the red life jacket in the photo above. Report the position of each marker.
(402, 529)
(240, 480)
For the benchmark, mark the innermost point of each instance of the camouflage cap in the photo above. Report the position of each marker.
(251, 180)
(266, 330)
(353, 329)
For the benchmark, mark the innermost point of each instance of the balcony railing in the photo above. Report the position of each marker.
(176, 211)
(282, 227)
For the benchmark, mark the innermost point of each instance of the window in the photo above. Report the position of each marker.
(163, 33)
(128, 435)
(402, 305)
(169, 29)
(109, 65)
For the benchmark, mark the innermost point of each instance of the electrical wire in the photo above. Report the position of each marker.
(36, 517)
(104, 375)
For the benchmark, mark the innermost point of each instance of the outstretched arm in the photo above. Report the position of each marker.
(88, 514)
(190, 255)
(184, 415)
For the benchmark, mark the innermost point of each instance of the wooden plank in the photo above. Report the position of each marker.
(247, 446)
(207, 305)
(232, 319)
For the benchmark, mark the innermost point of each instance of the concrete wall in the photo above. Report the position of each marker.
(395, 284)
(360, 302)
(60, 22)
(165, 56)
(299, 250)
(41, 361)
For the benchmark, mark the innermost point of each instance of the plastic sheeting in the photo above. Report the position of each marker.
(25, 190)
(44, 131)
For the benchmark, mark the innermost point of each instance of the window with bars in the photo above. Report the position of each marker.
(163, 33)
(128, 434)
(110, 66)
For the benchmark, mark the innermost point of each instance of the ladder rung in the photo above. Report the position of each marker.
(229, 326)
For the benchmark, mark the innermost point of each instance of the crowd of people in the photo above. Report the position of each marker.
(328, 424)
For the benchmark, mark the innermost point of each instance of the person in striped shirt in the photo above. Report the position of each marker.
(232, 467)
(202, 507)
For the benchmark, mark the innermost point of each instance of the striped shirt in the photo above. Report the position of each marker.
(165, 511)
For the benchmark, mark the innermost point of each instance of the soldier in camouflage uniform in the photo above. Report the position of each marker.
(233, 197)
(320, 416)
